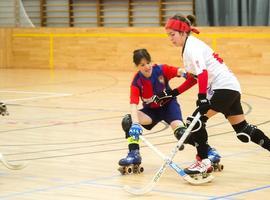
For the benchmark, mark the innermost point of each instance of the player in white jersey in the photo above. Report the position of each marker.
(219, 91)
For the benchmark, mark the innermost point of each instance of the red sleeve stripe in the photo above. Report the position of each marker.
(203, 82)
(134, 95)
(190, 81)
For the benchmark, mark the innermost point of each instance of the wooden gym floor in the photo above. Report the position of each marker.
(66, 125)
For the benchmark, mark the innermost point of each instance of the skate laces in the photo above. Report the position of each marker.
(195, 164)
(202, 166)
(206, 165)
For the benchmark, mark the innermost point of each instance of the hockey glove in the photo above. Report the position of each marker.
(135, 131)
(203, 104)
(165, 96)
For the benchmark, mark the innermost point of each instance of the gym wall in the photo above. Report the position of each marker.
(244, 49)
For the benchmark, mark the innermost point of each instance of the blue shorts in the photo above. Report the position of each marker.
(169, 112)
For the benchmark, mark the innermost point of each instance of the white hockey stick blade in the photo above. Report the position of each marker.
(193, 181)
(11, 166)
(139, 191)
(149, 187)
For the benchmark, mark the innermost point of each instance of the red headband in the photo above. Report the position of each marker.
(178, 25)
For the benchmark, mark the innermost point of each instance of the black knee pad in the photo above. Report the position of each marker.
(244, 131)
(199, 124)
(126, 124)
(179, 132)
(199, 134)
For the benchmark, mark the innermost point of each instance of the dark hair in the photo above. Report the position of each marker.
(139, 54)
(189, 19)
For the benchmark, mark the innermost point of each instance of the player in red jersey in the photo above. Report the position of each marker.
(149, 81)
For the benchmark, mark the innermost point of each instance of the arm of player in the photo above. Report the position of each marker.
(203, 103)
(182, 73)
(189, 82)
(134, 113)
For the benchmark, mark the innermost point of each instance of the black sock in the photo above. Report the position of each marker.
(132, 147)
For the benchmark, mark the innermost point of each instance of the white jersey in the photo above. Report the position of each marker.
(198, 56)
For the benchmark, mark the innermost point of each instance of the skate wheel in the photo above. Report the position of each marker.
(205, 175)
(121, 170)
(141, 169)
(194, 176)
(211, 169)
(129, 170)
(136, 169)
(221, 167)
(216, 167)
(200, 176)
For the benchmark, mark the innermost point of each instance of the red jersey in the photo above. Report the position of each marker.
(145, 88)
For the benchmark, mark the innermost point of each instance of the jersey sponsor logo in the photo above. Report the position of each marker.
(161, 79)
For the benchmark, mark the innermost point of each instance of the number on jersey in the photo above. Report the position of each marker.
(216, 56)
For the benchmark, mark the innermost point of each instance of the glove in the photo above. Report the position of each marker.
(3, 109)
(135, 131)
(203, 104)
(165, 96)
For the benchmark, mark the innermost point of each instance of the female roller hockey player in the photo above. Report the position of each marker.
(147, 82)
(219, 91)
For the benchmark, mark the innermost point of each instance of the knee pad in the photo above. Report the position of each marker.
(245, 132)
(126, 124)
(199, 134)
(199, 124)
(179, 132)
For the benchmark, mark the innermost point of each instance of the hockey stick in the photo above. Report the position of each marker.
(175, 167)
(161, 170)
(9, 165)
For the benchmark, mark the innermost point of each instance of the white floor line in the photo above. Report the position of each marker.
(46, 95)
(28, 92)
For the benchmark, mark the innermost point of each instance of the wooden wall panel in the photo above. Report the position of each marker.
(5, 47)
(30, 52)
(244, 49)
